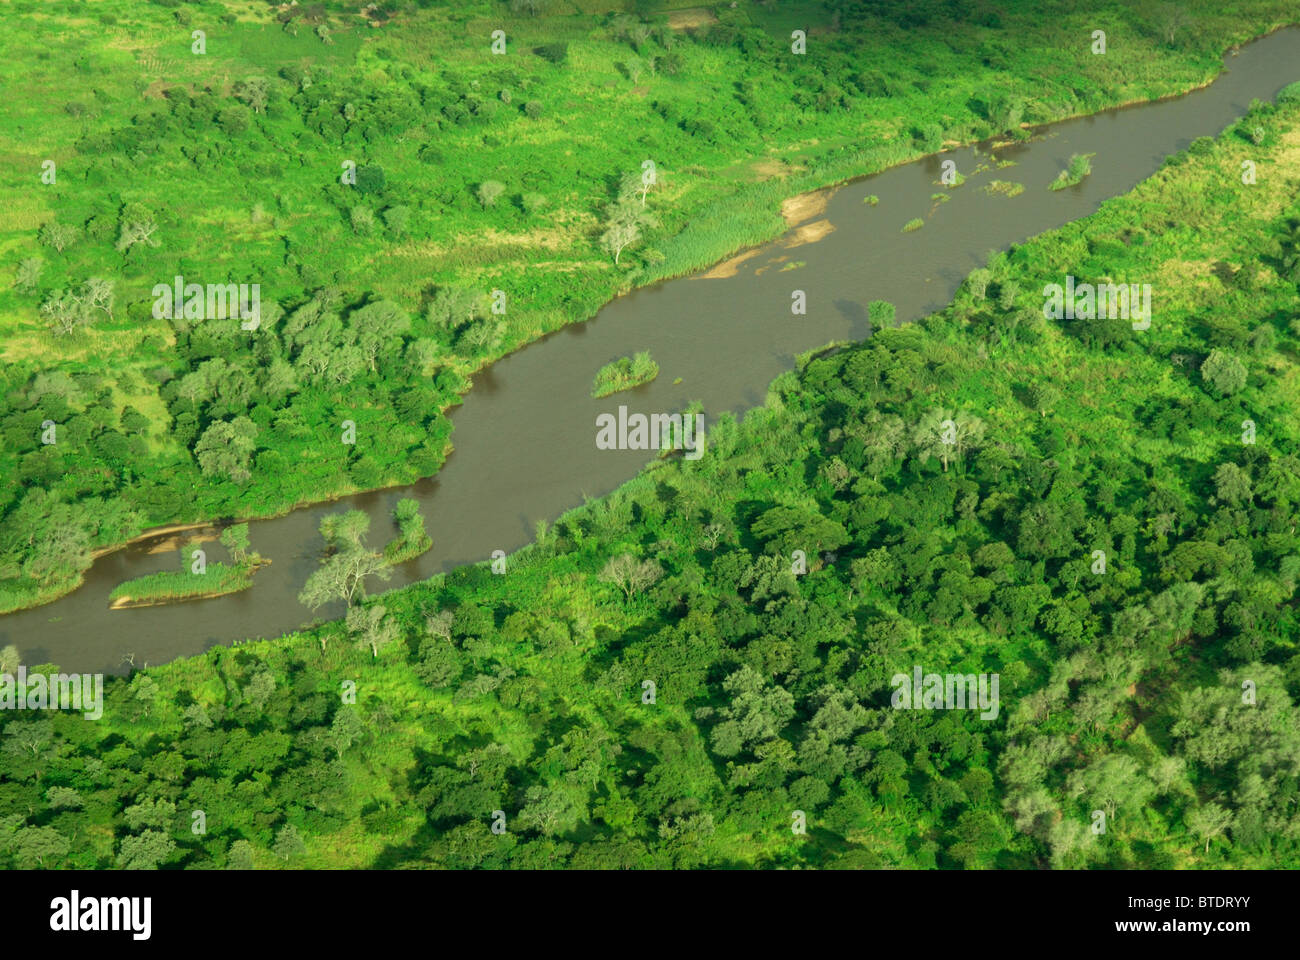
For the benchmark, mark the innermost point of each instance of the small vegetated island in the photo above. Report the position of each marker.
(412, 540)
(624, 374)
(198, 579)
(1080, 167)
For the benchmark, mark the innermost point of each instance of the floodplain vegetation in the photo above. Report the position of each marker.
(683, 672)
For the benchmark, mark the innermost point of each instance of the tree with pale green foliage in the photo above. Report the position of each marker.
(1224, 373)
(489, 191)
(288, 843)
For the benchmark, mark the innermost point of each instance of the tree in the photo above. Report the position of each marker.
(1170, 18)
(61, 551)
(452, 307)
(880, 314)
(1232, 484)
(626, 217)
(489, 191)
(39, 847)
(946, 436)
(288, 843)
(97, 293)
(255, 91)
(548, 809)
(235, 539)
(146, 851)
(1111, 781)
(138, 226)
(342, 577)
(792, 528)
(240, 856)
(343, 572)
(64, 798)
(362, 220)
(1209, 820)
(1044, 396)
(1224, 373)
(345, 531)
(638, 34)
(371, 179)
(225, 448)
(58, 235)
(410, 524)
(233, 121)
(345, 730)
(396, 219)
(757, 712)
(65, 312)
(630, 574)
(1070, 842)
(28, 740)
(977, 282)
(29, 274)
(379, 327)
(978, 837)
(556, 53)
(618, 236)
(370, 628)
(439, 624)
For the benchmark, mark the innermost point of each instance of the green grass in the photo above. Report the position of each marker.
(218, 579)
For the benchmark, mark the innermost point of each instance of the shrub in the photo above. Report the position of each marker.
(556, 53)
